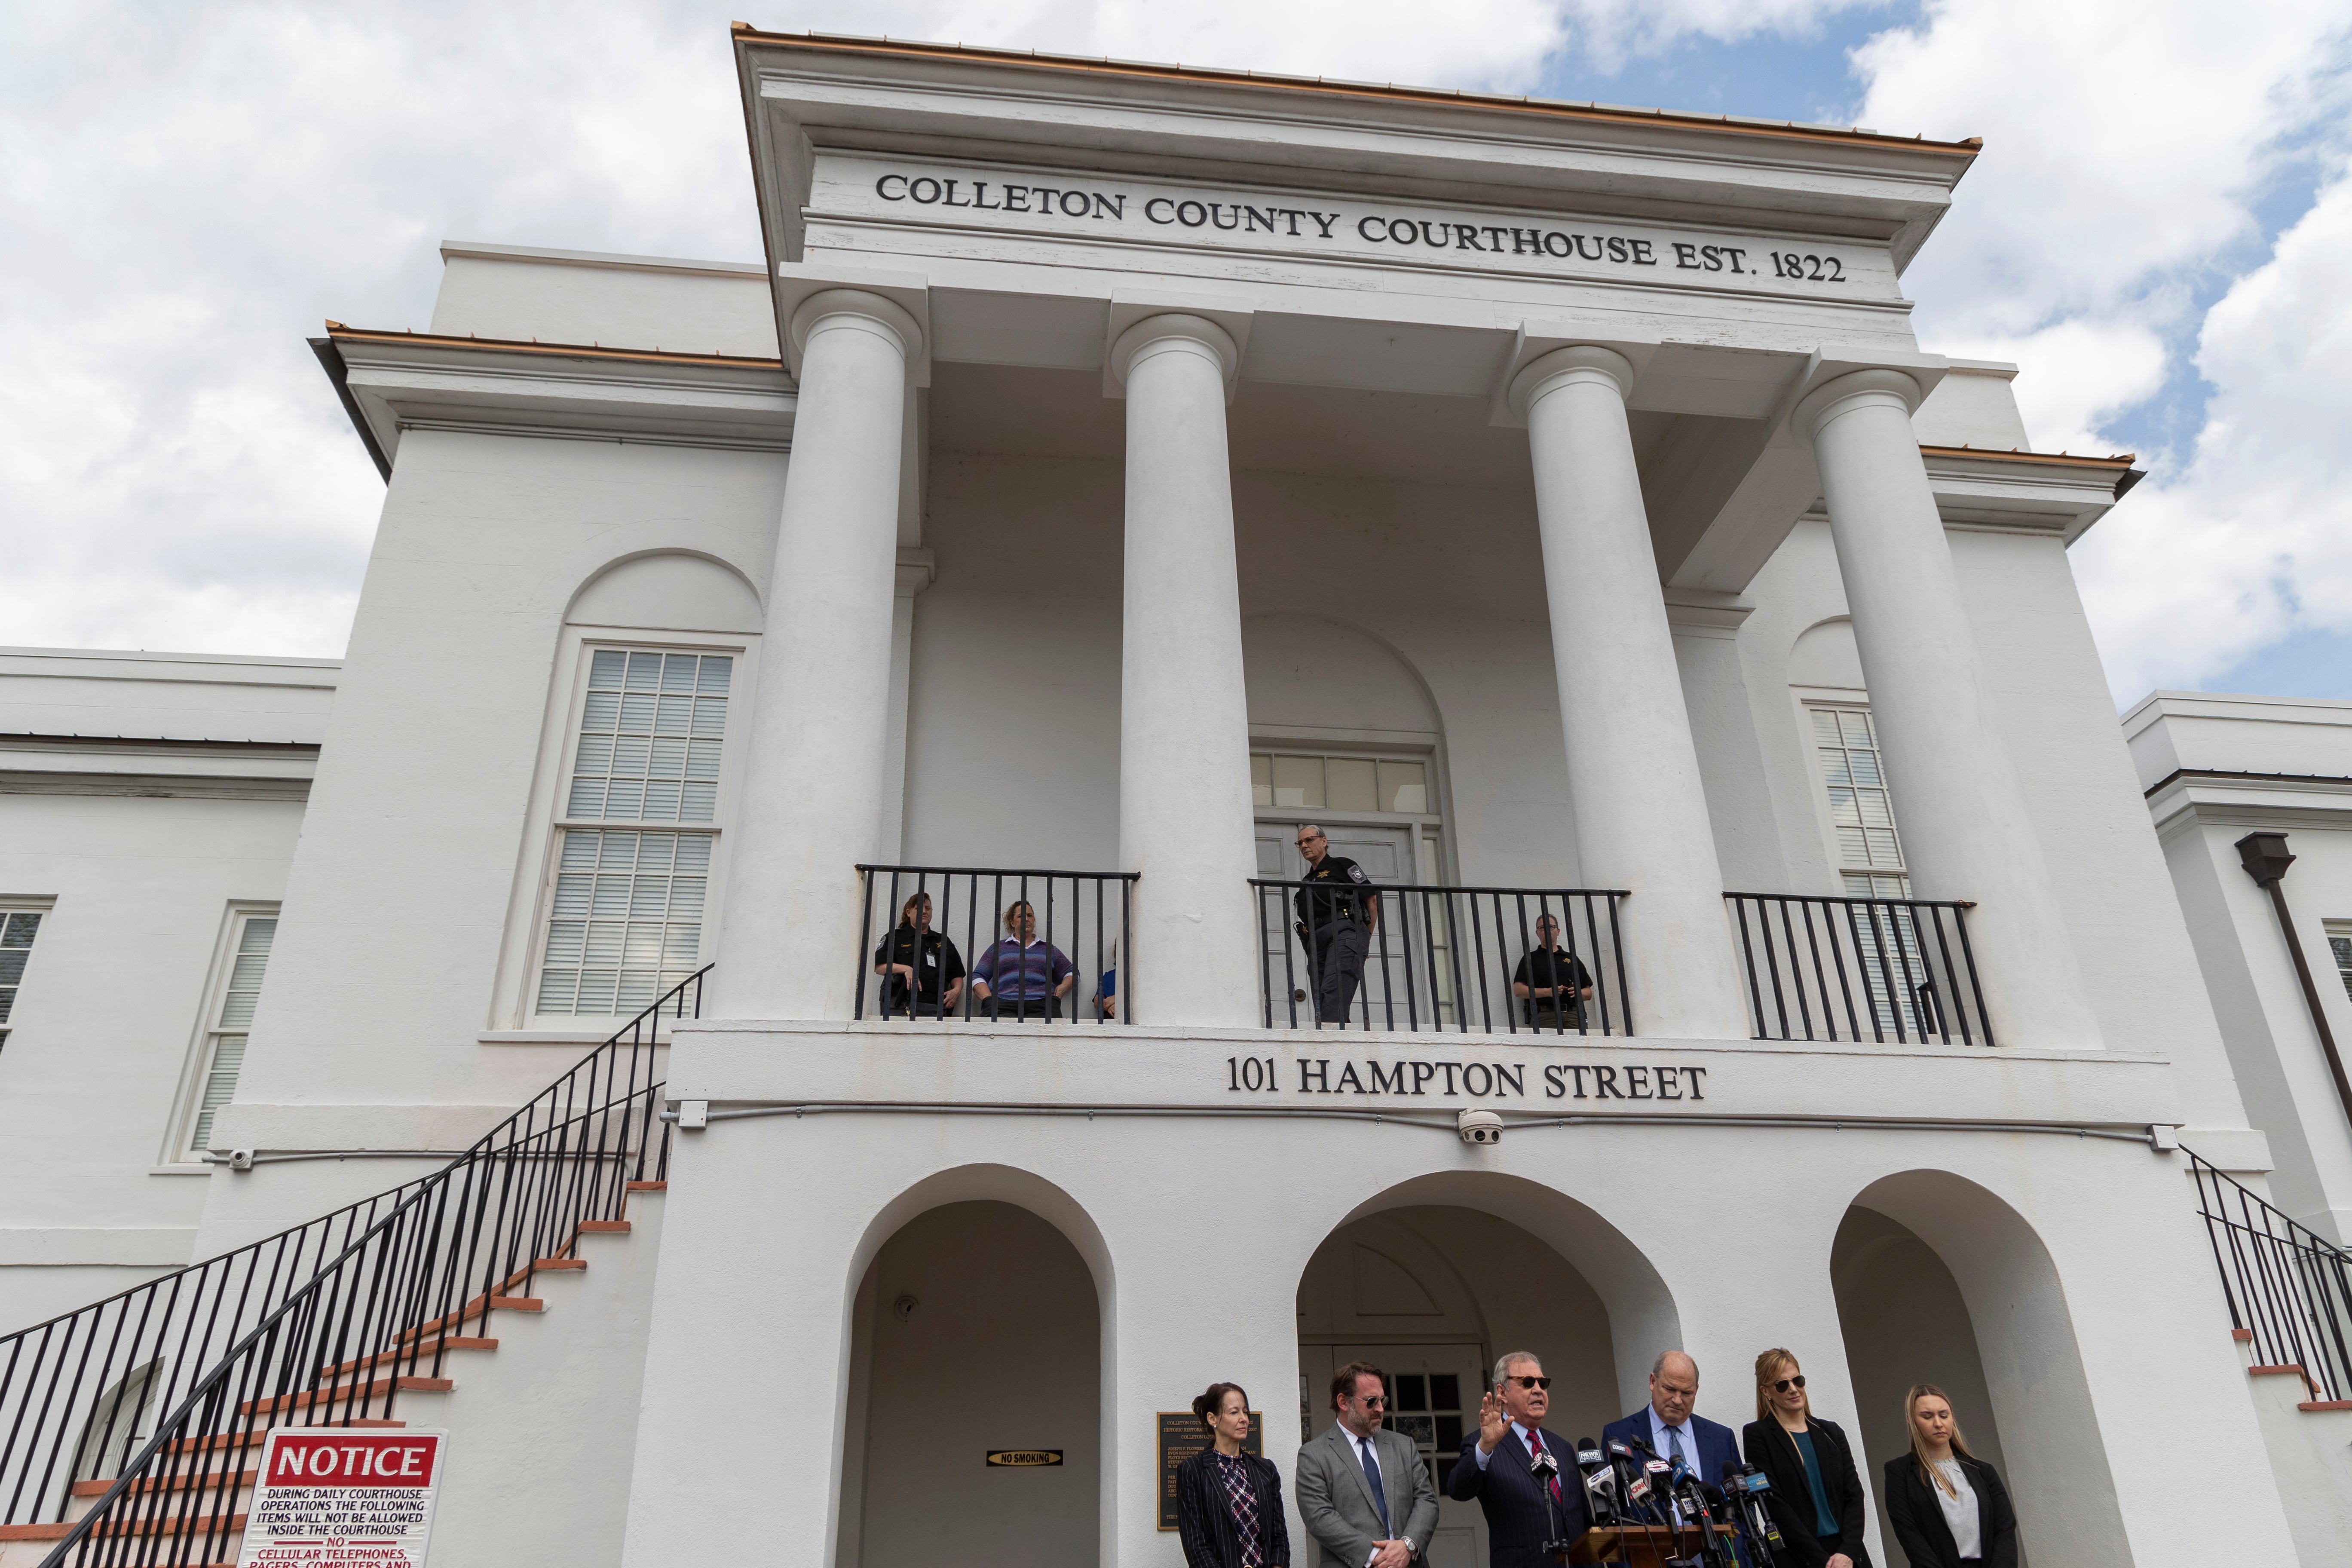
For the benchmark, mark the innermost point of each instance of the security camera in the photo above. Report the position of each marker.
(242, 1159)
(1479, 1127)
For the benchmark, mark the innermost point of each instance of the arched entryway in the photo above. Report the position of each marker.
(1941, 1281)
(1439, 1276)
(976, 1329)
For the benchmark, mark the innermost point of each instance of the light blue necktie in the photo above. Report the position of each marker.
(1675, 1440)
(1372, 1474)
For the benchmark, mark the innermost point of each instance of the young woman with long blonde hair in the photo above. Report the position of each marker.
(1817, 1501)
(1948, 1506)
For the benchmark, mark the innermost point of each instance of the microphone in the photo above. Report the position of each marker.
(1747, 1486)
(1599, 1482)
(1546, 1472)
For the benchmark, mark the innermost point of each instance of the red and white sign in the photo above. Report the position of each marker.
(328, 1497)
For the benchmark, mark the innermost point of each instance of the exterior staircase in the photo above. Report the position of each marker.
(505, 1299)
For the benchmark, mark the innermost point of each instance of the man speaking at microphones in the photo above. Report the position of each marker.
(1524, 1477)
(1669, 1428)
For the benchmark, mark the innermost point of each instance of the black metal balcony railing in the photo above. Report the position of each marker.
(1447, 958)
(160, 1398)
(1860, 969)
(2289, 1289)
(1079, 920)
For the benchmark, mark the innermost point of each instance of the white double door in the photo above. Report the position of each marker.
(1395, 997)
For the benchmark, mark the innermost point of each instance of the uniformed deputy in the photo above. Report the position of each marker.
(1337, 911)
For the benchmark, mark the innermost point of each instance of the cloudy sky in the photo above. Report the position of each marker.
(2158, 232)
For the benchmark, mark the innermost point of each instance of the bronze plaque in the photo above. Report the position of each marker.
(1184, 1434)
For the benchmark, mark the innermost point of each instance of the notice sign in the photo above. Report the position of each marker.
(334, 1498)
(1181, 1436)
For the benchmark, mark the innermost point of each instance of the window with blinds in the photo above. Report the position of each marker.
(18, 930)
(624, 915)
(2339, 942)
(224, 1048)
(1862, 814)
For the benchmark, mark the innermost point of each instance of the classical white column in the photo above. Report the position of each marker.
(816, 751)
(1633, 773)
(1184, 818)
(1966, 833)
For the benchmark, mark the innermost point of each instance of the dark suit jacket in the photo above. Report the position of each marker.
(1517, 1520)
(1771, 1450)
(1918, 1517)
(1717, 1447)
(1204, 1520)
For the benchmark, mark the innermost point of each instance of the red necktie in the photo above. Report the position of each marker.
(1535, 1442)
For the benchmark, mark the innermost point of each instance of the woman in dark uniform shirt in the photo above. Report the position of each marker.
(1229, 1503)
(1816, 1500)
(1948, 1506)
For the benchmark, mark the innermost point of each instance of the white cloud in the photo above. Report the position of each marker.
(2254, 538)
(2128, 146)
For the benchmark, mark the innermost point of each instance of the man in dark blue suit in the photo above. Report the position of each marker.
(1667, 1426)
(1523, 1510)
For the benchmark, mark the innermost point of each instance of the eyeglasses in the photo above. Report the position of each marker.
(1532, 1381)
(1382, 1399)
(1787, 1384)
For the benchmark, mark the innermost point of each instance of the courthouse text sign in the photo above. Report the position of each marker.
(1388, 233)
(334, 1498)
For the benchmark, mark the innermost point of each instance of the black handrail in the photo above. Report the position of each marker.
(325, 1325)
(1446, 958)
(1077, 908)
(1856, 968)
(2289, 1288)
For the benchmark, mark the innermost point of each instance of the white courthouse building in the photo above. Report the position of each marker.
(1111, 470)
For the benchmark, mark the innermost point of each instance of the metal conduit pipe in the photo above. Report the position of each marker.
(2156, 1136)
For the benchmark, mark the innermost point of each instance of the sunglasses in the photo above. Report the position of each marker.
(1532, 1381)
(1787, 1384)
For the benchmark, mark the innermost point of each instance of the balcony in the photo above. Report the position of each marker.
(1034, 945)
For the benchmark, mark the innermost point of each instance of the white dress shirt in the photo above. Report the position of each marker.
(1662, 1439)
(1517, 1431)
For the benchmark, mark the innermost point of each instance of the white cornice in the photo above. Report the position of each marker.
(418, 381)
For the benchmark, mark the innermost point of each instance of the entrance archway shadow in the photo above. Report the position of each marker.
(1642, 1313)
(980, 1320)
(1940, 1281)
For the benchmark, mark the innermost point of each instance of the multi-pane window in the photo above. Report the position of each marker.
(17, 929)
(625, 919)
(1870, 854)
(224, 1048)
(649, 737)
(1288, 781)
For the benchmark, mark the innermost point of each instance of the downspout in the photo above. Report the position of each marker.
(2265, 858)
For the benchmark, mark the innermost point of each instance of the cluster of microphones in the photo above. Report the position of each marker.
(1628, 1486)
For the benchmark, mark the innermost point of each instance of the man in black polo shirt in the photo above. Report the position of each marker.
(1552, 980)
(1337, 911)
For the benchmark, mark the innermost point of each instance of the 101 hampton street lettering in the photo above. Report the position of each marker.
(1478, 1080)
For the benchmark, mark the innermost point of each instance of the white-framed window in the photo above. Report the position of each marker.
(229, 1000)
(2339, 944)
(20, 923)
(1862, 814)
(636, 825)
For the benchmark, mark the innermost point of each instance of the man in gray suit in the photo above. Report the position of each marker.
(1364, 1493)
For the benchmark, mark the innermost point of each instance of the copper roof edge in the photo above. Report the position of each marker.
(1992, 454)
(343, 334)
(744, 33)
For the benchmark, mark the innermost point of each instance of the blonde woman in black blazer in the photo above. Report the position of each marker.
(1784, 1420)
(1942, 1499)
(1209, 1520)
